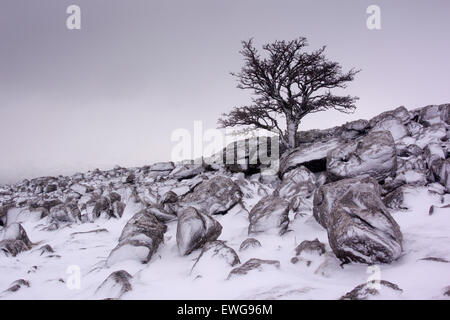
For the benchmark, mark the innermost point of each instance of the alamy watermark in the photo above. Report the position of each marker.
(74, 279)
(73, 21)
(374, 20)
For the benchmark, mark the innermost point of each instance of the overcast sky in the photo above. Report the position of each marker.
(114, 91)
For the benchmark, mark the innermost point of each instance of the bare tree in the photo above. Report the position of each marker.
(289, 83)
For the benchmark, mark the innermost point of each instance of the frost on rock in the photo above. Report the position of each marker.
(194, 229)
(215, 259)
(359, 226)
(373, 154)
(373, 290)
(269, 214)
(214, 196)
(253, 265)
(115, 286)
(139, 240)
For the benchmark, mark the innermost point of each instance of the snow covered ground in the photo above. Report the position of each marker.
(167, 275)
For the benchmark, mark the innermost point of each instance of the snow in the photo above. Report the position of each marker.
(167, 275)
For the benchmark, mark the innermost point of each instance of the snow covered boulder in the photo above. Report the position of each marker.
(253, 265)
(215, 259)
(15, 231)
(115, 286)
(432, 134)
(17, 285)
(314, 246)
(439, 166)
(326, 196)
(65, 213)
(194, 229)
(308, 251)
(396, 199)
(162, 166)
(169, 197)
(434, 114)
(249, 243)
(187, 171)
(310, 155)
(4, 208)
(374, 289)
(360, 228)
(394, 126)
(373, 155)
(14, 240)
(269, 214)
(160, 213)
(214, 196)
(297, 185)
(297, 182)
(400, 113)
(12, 247)
(139, 240)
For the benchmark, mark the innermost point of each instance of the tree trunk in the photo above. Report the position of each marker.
(291, 132)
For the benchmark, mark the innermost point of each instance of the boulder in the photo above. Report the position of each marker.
(253, 265)
(372, 289)
(115, 286)
(15, 231)
(194, 229)
(269, 214)
(310, 155)
(314, 246)
(169, 197)
(394, 126)
(139, 240)
(400, 113)
(215, 257)
(308, 251)
(109, 205)
(359, 226)
(65, 213)
(249, 243)
(12, 247)
(297, 182)
(162, 166)
(214, 196)
(373, 155)
(187, 171)
(432, 134)
(161, 214)
(433, 114)
(131, 178)
(17, 285)
(46, 249)
(297, 185)
(395, 200)
(326, 195)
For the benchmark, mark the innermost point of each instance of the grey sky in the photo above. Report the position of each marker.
(113, 92)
